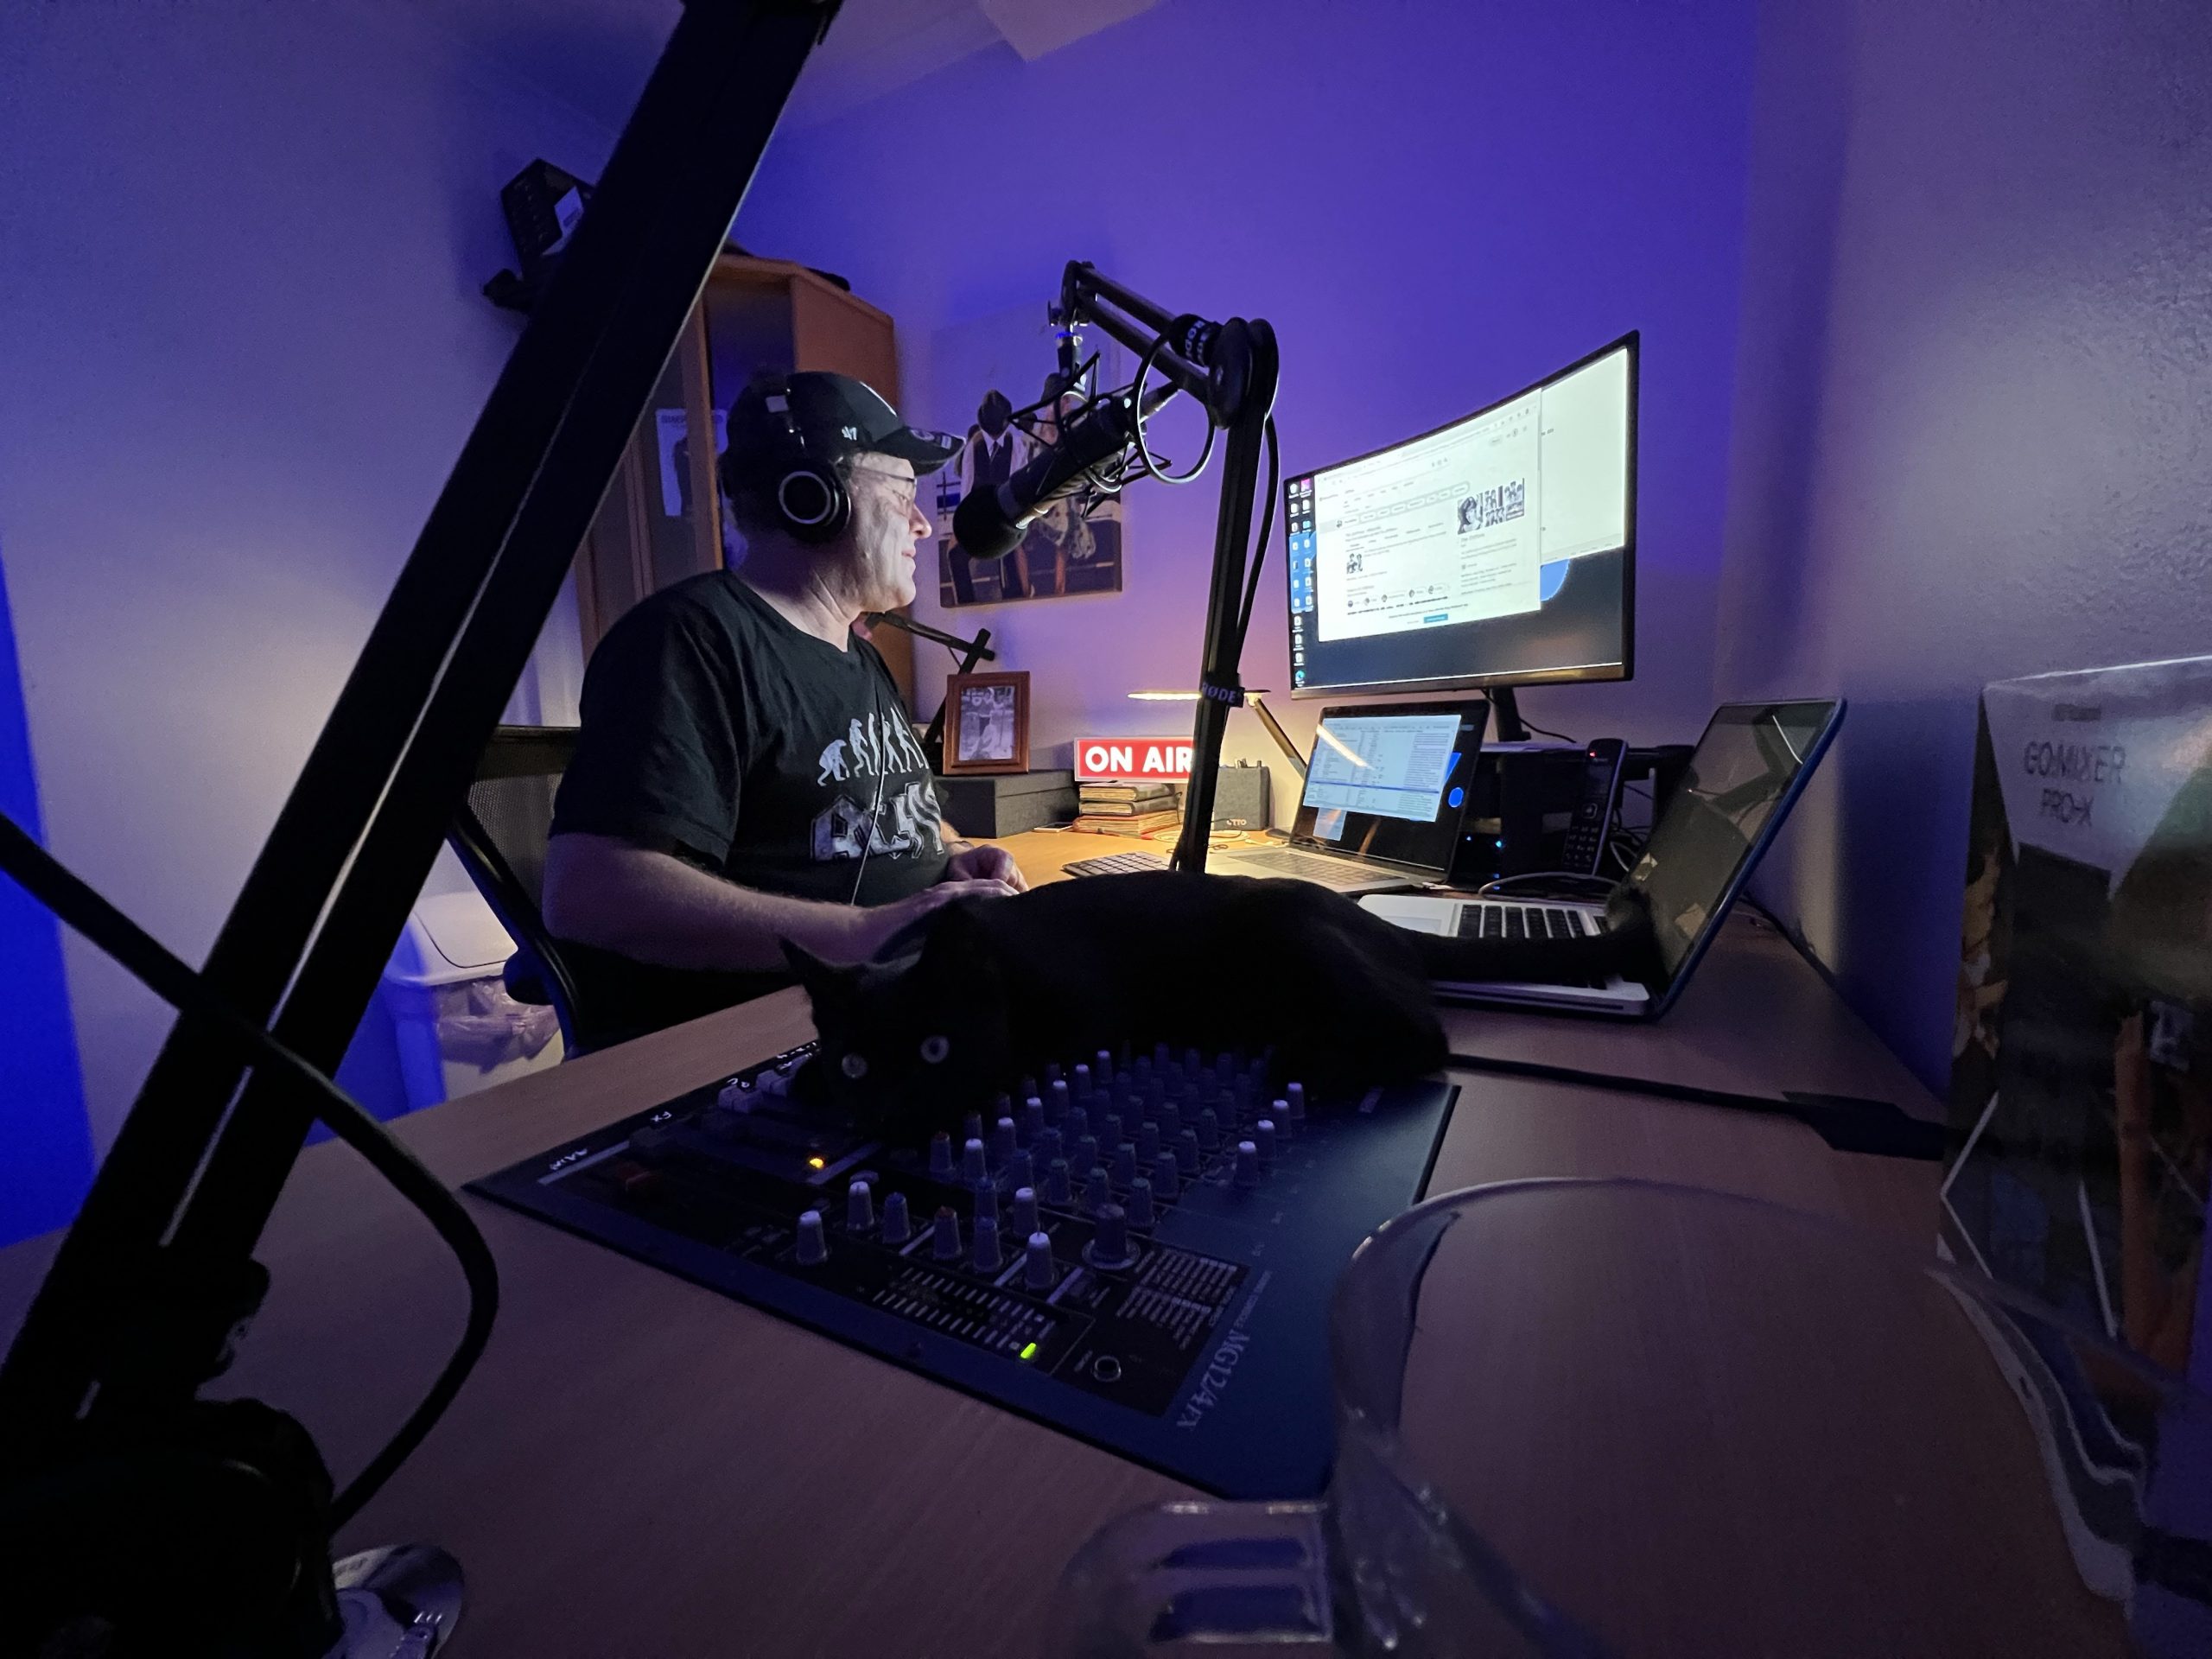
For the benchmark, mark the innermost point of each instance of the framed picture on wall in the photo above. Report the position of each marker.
(986, 723)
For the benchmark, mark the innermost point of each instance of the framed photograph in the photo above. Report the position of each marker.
(986, 723)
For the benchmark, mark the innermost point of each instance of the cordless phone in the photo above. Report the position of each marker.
(1586, 832)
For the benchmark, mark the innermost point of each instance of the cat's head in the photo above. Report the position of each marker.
(904, 1043)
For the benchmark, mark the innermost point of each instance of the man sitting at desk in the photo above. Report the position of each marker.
(747, 772)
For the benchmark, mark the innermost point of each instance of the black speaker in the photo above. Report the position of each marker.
(1240, 796)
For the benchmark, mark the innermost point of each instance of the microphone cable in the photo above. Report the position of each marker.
(74, 901)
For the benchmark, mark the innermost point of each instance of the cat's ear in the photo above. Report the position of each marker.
(823, 982)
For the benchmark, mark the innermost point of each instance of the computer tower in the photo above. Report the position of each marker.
(1517, 815)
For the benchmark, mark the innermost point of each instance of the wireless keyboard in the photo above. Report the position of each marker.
(1117, 864)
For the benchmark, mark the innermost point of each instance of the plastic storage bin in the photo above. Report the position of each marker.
(457, 1029)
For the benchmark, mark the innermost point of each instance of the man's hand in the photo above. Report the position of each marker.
(875, 926)
(973, 863)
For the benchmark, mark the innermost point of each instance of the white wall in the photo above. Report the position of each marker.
(240, 345)
(1433, 203)
(1974, 419)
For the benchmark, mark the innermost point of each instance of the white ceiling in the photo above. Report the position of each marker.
(596, 54)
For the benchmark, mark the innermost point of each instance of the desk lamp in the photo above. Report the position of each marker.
(1252, 699)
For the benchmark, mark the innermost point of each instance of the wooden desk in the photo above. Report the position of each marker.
(642, 1467)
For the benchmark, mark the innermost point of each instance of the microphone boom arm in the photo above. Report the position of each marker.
(1233, 368)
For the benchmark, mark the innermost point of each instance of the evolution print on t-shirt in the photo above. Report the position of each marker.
(890, 811)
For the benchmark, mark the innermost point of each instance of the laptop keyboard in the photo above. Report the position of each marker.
(1325, 872)
(1498, 921)
(1490, 921)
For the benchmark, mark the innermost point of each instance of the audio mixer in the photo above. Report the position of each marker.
(1137, 1251)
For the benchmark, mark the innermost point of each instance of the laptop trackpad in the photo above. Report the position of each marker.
(1418, 914)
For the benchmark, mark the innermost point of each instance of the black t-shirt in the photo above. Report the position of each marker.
(716, 730)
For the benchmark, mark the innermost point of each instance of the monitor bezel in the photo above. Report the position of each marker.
(1583, 673)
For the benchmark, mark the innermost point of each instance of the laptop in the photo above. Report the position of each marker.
(1746, 773)
(1386, 787)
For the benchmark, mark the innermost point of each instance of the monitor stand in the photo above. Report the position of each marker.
(1505, 725)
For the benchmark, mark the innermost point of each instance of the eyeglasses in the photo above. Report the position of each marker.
(904, 481)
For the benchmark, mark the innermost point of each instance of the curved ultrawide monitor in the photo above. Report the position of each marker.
(1497, 550)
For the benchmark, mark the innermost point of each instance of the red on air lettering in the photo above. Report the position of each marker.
(1099, 759)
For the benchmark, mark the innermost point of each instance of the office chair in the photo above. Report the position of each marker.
(499, 833)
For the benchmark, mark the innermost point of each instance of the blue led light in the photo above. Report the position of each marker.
(1457, 798)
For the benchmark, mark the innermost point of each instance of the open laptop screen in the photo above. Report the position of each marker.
(1746, 769)
(1390, 780)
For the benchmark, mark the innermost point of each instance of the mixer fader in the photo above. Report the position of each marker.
(1136, 1249)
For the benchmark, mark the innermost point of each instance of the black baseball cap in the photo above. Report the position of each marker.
(835, 414)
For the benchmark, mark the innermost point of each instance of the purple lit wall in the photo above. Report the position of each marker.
(242, 343)
(1973, 420)
(1433, 205)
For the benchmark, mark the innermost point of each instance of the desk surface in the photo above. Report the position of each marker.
(640, 1466)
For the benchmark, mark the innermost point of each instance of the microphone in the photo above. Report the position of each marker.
(989, 524)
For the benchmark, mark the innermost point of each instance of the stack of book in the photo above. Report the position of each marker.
(1129, 809)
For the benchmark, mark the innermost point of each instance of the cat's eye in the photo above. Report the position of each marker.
(854, 1066)
(934, 1049)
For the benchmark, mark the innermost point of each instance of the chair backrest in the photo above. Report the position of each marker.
(500, 833)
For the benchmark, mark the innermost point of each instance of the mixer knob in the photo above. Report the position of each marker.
(1029, 1086)
(1263, 1136)
(1101, 1067)
(1140, 1205)
(1209, 1131)
(1038, 1271)
(945, 1242)
(1125, 1163)
(1052, 1072)
(941, 1155)
(1110, 1130)
(1109, 1245)
(1296, 1094)
(1083, 1080)
(1058, 1105)
(1048, 1148)
(984, 1257)
(987, 1200)
(1086, 1152)
(1056, 1182)
(895, 1227)
(1032, 1121)
(859, 1208)
(1021, 1169)
(972, 1127)
(1148, 1143)
(1193, 1062)
(1225, 1068)
(1096, 1194)
(813, 1248)
(972, 1167)
(1002, 1141)
(1164, 1179)
(1024, 1210)
(1280, 1112)
(1077, 1123)
(1248, 1164)
(1159, 1057)
(1187, 1152)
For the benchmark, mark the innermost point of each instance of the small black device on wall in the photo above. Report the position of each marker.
(544, 204)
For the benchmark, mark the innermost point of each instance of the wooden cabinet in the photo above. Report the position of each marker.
(662, 519)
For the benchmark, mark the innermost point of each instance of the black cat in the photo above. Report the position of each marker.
(987, 991)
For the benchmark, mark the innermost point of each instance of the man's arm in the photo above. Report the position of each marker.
(652, 906)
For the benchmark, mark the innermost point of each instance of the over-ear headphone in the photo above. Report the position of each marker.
(810, 497)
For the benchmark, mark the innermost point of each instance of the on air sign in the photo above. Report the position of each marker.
(1098, 759)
